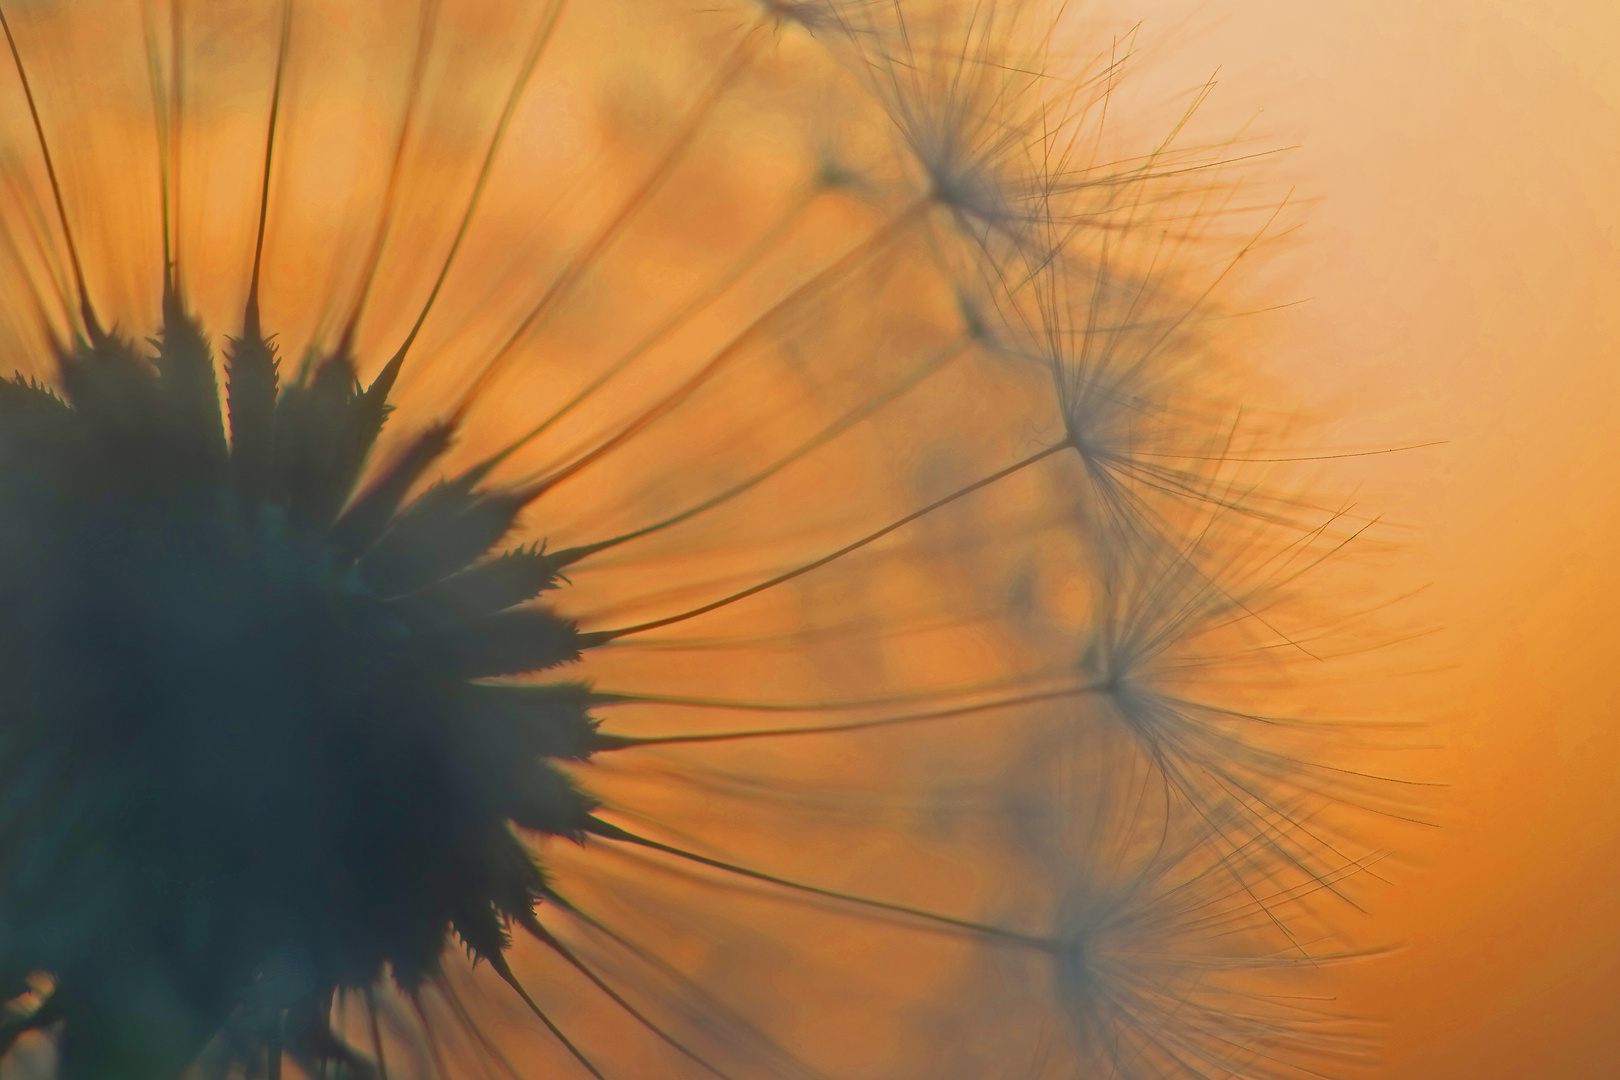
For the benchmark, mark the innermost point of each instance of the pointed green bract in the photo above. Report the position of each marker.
(185, 367)
(371, 511)
(439, 534)
(251, 381)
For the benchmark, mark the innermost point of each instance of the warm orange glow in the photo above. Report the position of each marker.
(1441, 271)
(1460, 169)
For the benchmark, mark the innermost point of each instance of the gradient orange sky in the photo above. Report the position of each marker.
(1459, 165)
(1457, 173)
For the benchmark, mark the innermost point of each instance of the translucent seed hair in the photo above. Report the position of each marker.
(630, 539)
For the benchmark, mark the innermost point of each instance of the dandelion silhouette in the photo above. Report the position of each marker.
(300, 708)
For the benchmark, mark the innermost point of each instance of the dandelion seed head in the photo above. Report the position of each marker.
(1150, 972)
(1080, 953)
(407, 742)
(1116, 677)
(964, 109)
(814, 16)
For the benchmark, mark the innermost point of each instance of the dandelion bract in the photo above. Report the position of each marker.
(636, 539)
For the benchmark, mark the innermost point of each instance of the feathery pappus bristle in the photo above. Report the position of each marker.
(554, 592)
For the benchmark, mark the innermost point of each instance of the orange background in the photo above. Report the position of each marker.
(1459, 173)
(1456, 177)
